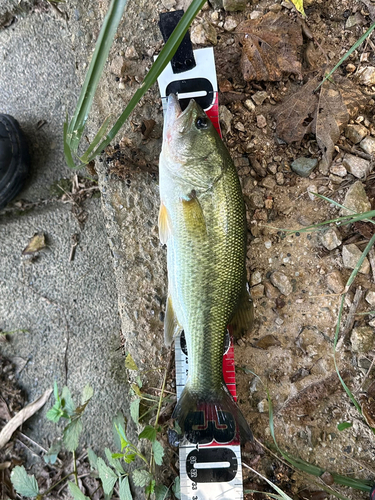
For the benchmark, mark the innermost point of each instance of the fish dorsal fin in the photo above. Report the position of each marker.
(193, 215)
(171, 325)
(244, 314)
(164, 224)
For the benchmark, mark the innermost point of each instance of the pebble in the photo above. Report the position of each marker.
(339, 170)
(203, 33)
(362, 339)
(350, 256)
(230, 24)
(226, 117)
(367, 77)
(168, 4)
(272, 168)
(355, 133)
(257, 291)
(261, 121)
(249, 105)
(234, 5)
(311, 190)
(372, 323)
(330, 239)
(368, 145)
(271, 291)
(280, 178)
(239, 126)
(356, 199)
(335, 282)
(304, 166)
(117, 66)
(263, 406)
(370, 298)
(335, 179)
(255, 198)
(359, 167)
(256, 278)
(268, 182)
(354, 20)
(281, 282)
(131, 53)
(268, 244)
(259, 97)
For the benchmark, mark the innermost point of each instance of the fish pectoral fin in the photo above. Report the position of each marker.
(171, 326)
(244, 315)
(193, 215)
(165, 226)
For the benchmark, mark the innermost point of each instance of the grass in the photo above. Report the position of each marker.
(73, 130)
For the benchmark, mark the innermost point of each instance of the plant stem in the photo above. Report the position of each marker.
(56, 484)
(75, 467)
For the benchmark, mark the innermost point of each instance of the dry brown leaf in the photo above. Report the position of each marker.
(21, 417)
(295, 116)
(36, 243)
(270, 47)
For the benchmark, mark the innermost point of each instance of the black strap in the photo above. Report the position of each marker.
(183, 60)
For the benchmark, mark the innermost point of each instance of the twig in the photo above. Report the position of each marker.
(350, 319)
(355, 152)
(75, 467)
(367, 374)
(371, 258)
(32, 441)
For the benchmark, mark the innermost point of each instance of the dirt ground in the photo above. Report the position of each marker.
(296, 278)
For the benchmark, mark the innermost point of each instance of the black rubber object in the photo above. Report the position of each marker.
(372, 493)
(183, 60)
(14, 159)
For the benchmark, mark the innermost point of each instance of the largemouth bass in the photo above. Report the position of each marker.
(202, 222)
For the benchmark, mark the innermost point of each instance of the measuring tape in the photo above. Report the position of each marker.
(207, 471)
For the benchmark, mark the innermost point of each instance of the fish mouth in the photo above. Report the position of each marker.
(174, 112)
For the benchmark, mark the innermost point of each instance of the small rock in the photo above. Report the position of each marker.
(281, 282)
(117, 66)
(362, 339)
(256, 278)
(272, 168)
(359, 167)
(230, 24)
(335, 179)
(280, 178)
(267, 341)
(276, 7)
(203, 33)
(259, 97)
(304, 166)
(257, 291)
(268, 244)
(168, 4)
(234, 5)
(356, 199)
(372, 323)
(351, 255)
(311, 190)
(370, 298)
(269, 182)
(255, 199)
(249, 105)
(131, 53)
(261, 121)
(367, 76)
(239, 126)
(368, 145)
(226, 117)
(271, 291)
(334, 282)
(350, 68)
(339, 170)
(355, 133)
(263, 406)
(256, 14)
(354, 20)
(330, 239)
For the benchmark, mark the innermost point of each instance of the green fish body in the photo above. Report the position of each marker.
(202, 221)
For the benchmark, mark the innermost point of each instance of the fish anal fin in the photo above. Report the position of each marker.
(193, 215)
(171, 325)
(164, 224)
(243, 317)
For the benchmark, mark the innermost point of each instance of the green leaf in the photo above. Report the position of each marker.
(161, 492)
(107, 476)
(130, 364)
(55, 413)
(24, 484)
(139, 381)
(344, 425)
(150, 488)
(118, 421)
(158, 450)
(176, 488)
(134, 410)
(67, 401)
(123, 440)
(113, 462)
(124, 489)
(141, 477)
(76, 492)
(51, 456)
(93, 459)
(56, 391)
(87, 394)
(71, 434)
(298, 4)
(137, 390)
(149, 433)
(129, 458)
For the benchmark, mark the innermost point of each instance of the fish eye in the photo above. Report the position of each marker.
(201, 122)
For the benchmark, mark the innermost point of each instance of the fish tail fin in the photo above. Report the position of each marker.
(204, 418)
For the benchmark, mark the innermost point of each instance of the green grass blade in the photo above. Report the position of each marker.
(345, 56)
(333, 202)
(282, 494)
(103, 129)
(360, 262)
(156, 69)
(99, 58)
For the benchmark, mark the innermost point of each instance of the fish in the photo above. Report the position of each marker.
(203, 224)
